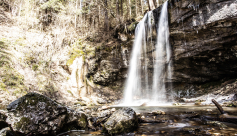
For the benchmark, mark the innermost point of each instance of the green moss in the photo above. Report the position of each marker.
(132, 26)
(109, 49)
(23, 122)
(50, 87)
(81, 103)
(82, 122)
(10, 78)
(21, 41)
(53, 5)
(91, 78)
(3, 86)
(75, 52)
(70, 92)
(35, 67)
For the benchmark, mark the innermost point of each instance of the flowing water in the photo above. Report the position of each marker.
(134, 81)
(186, 120)
(162, 66)
(139, 88)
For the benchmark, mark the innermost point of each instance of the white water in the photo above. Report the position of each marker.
(133, 82)
(138, 89)
(162, 63)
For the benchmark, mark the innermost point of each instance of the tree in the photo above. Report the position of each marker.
(121, 10)
(106, 18)
(142, 6)
(151, 4)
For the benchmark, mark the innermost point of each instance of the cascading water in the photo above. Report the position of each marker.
(133, 82)
(162, 65)
(139, 87)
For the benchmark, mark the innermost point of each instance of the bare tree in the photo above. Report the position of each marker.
(151, 4)
(121, 10)
(142, 6)
(106, 19)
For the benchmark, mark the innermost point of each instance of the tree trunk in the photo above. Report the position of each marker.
(121, 10)
(130, 10)
(142, 6)
(106, 19)
(76, 16)
(151, 4)
(127, 5)
(136, 7)
(157, 3)
(117, 10)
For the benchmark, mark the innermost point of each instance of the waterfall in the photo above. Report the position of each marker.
(162, 65)
(139, 88)
(133, 83)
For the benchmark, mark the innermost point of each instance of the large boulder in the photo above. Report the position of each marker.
(35, 114)
(121, 121)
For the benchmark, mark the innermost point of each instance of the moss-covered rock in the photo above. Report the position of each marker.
(36, 114)
(121, 121)
(75, 120)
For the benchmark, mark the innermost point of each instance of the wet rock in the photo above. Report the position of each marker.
(103, 108)
(144, 104)
(121, 121)
(101, 101)
(76, 119)
(177, 104)
(158, 112)
(216, 123)
(3, 118)
(113, 109)
(6, 132)
(232, 104)
(35, 114)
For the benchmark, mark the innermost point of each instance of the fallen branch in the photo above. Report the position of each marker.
(218, 106)
(225, 117)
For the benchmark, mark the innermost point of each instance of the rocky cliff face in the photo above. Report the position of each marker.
(203, 36)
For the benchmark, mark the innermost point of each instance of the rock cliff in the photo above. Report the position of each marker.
(203, 36)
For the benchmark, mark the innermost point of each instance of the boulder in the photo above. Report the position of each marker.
(35, 114)
(121, 121)
(75, 120)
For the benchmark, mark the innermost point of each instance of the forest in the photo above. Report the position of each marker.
(118, 67)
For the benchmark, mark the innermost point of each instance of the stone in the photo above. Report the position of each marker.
(158, 112)
(121, 121)
(6, 132)
(79, 119)
(203, 39)
(101, 101)
(35, 114)
(104, 108)
(3, 118)
(113, 109)
(177, 104)
(81, 103)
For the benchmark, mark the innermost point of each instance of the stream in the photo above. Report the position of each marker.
(185, 120)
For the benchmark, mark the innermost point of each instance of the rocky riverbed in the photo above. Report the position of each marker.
(35, 114)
